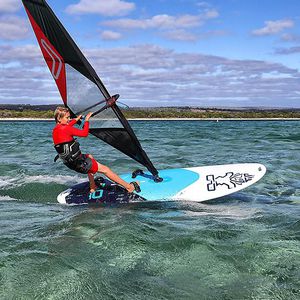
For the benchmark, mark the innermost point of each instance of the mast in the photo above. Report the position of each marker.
(70, 68)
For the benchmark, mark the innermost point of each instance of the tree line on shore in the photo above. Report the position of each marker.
(172, 112)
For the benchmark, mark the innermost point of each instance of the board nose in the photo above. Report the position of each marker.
(262, 169)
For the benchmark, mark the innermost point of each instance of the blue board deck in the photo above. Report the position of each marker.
(191, 184)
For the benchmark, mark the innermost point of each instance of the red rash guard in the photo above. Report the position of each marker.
(65, 133)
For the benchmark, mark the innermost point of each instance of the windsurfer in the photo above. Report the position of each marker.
(69, 149)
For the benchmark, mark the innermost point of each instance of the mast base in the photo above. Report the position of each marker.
(140, 172)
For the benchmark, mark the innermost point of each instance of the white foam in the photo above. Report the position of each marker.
(7, 198)
(60, 179)
(225, 211)
(6, 181)
(9, 182)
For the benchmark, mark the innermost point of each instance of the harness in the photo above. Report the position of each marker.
(68, 152)
(72, 157)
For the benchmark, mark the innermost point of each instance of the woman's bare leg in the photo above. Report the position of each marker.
(110, 175)
(93, 185)
(114, 177)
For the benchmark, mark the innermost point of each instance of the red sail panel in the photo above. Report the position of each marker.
(53, 59)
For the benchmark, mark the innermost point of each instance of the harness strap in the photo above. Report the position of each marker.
(68, 152)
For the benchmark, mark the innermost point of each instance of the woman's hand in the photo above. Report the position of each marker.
(78, 118)
(88, 116)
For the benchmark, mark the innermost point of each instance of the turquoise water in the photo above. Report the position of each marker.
(243, 246)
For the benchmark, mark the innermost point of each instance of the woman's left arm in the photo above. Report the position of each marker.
(74, 121)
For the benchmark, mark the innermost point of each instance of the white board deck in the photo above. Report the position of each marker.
(190, 184)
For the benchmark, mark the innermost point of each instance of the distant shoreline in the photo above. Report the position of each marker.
(43, 113)
(160, 119)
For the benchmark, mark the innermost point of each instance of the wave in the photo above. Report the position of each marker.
(23, 179)
(7, 198)
(36, 188)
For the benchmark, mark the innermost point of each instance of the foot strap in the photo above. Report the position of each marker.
(136, 186)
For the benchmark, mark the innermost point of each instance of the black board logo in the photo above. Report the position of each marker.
(230, 179)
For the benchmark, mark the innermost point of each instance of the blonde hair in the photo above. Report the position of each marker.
(60, 112)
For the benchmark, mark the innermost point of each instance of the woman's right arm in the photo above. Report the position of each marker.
(84, 132)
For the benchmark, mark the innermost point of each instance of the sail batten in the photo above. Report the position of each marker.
(78, 83)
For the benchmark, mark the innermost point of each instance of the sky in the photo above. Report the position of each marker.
(218, 53)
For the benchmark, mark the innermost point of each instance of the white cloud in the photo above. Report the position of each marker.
(9, 6)
(173, 27)
(286, 51)
(106, 8)
(110, 35)
(288, 37)
(158, 21)
(27, 54)
(163, 21)
(156, 76)
(24, 76)
(203, 4)
(184, 35)
(13, 27)
(162, 77)
(180, 35)
(273, 27)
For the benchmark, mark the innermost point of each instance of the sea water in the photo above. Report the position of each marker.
(242, 246)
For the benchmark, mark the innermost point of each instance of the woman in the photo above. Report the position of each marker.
(69, 149)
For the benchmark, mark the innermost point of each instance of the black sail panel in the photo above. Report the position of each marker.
(78, 83)
(144, 157)
(121, 140)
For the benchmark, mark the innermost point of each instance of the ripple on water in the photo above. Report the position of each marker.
(243, 246)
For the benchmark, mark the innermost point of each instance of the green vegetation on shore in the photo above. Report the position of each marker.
(172, 112)
(26, 113)
(208, 113)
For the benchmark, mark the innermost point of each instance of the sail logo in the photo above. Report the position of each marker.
(56, 69)
(230, 180)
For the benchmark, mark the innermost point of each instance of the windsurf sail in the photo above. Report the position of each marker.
(79, 85)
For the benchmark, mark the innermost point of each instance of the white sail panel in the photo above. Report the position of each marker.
(83, 96)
